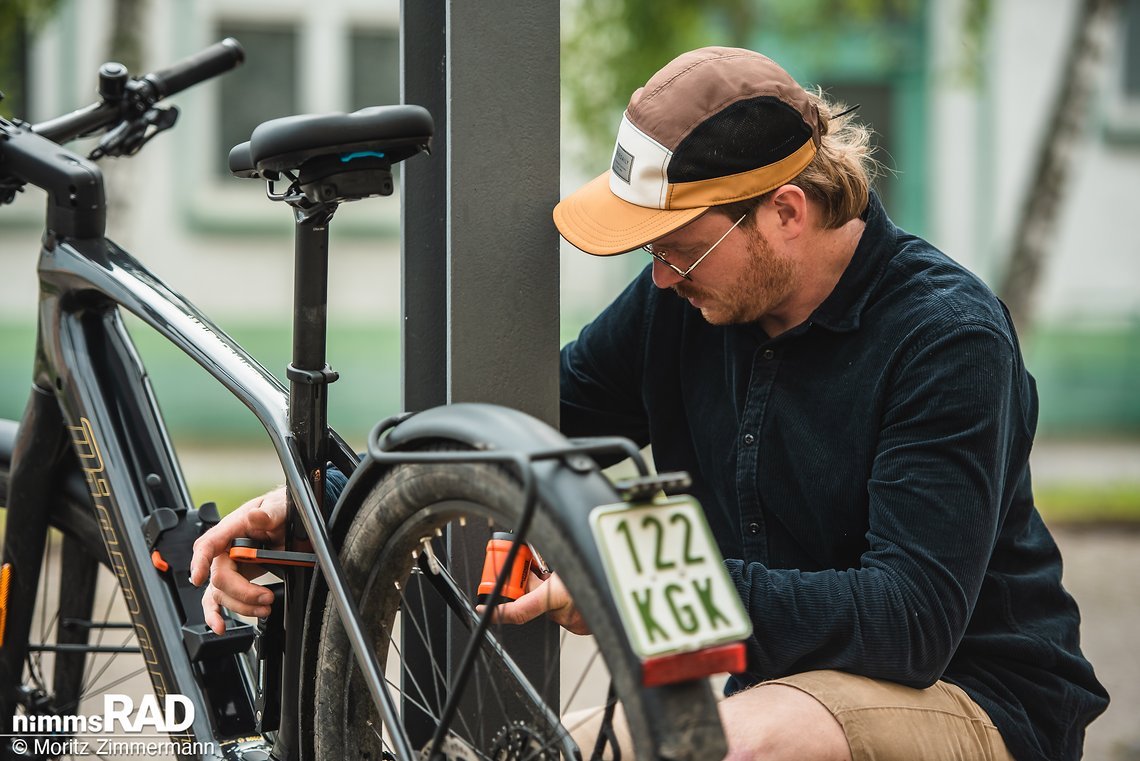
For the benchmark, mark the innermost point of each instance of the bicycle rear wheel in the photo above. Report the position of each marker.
(81, 643)
(394, 560)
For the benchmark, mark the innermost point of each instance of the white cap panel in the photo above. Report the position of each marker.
(639, 165)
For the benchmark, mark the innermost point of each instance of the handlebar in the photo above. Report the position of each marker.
(30, 154)
(214, 60)
(139, 94)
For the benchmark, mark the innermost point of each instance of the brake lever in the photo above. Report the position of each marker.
(130, 136)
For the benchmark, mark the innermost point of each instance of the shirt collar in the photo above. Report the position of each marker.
(841, 310)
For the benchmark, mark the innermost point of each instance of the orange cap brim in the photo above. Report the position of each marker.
(595, 220)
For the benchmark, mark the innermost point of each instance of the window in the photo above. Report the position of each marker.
(374, 68)
(1123, 102)
(265, 87)
(300, 58)
(1130, 76)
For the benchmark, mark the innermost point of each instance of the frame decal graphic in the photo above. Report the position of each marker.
(91, 461)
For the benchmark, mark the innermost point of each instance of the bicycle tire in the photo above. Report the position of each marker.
(73, 514)
(411, 502)
(75, 558)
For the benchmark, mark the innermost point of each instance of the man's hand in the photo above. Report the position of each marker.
(548, 596)
(262, 519)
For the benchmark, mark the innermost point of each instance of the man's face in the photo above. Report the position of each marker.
(743, 279)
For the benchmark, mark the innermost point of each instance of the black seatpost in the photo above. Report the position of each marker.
(309, 375)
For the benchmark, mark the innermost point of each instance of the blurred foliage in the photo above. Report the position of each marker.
(611, 47)
(21, 19)
(1086, 503)
(126, 34)
(975, 21)
(18, 20)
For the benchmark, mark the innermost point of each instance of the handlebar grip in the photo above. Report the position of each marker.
(219, 57)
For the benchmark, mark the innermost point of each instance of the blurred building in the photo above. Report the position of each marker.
(961, 149)
(216, 239)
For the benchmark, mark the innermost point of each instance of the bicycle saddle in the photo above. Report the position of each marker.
(335, 155)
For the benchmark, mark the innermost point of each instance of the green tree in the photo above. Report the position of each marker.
(19, 19)
(611, 47)
(126, 34)
(1048, 184)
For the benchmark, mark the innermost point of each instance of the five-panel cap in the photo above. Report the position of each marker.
(716, 125)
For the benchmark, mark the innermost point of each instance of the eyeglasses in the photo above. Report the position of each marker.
(660, 255)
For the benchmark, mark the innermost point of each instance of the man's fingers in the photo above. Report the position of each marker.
(262, 518)
(551, 597)
(214, 599)
(527, 608)
(266, 523)
(229, 588)
(217, 541)
(234, 582)
(242, 606)
(212, 612)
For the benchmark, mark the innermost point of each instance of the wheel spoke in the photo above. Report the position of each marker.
(90, 665)
(437, 673)
(425, 636)
(415, 683)
(44, 586)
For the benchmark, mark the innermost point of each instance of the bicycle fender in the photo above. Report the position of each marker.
(476, 426)
(479, 425)
(569, 492)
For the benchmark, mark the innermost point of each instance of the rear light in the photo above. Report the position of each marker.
(681, 667)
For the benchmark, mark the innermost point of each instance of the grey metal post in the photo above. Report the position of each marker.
(478, 209)
(480, 252)
(502, 91)
(423, 295)
(423, 211)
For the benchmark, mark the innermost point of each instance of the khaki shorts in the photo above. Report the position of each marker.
(883, 721)
(886, 721)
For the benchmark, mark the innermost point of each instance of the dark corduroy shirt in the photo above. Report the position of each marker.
(866, 475)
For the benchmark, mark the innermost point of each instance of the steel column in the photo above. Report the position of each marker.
(479, 250)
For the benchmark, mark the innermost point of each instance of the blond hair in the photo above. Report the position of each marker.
(839, 178)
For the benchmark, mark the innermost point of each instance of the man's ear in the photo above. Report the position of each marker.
(790, 205)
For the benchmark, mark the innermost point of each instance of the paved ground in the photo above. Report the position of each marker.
(1102, 569)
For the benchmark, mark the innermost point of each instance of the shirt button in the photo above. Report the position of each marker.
(749, 439)
(753, 528)
(769, 354)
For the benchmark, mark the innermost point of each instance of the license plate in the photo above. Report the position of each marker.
(667, 576)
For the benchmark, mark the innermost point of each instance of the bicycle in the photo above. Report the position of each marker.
(374, 648)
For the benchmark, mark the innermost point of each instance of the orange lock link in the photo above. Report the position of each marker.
(159, 562)
(515, 587)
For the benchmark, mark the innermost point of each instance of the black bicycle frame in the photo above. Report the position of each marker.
(91, 383)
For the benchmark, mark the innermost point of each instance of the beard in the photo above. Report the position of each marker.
(763, 284)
